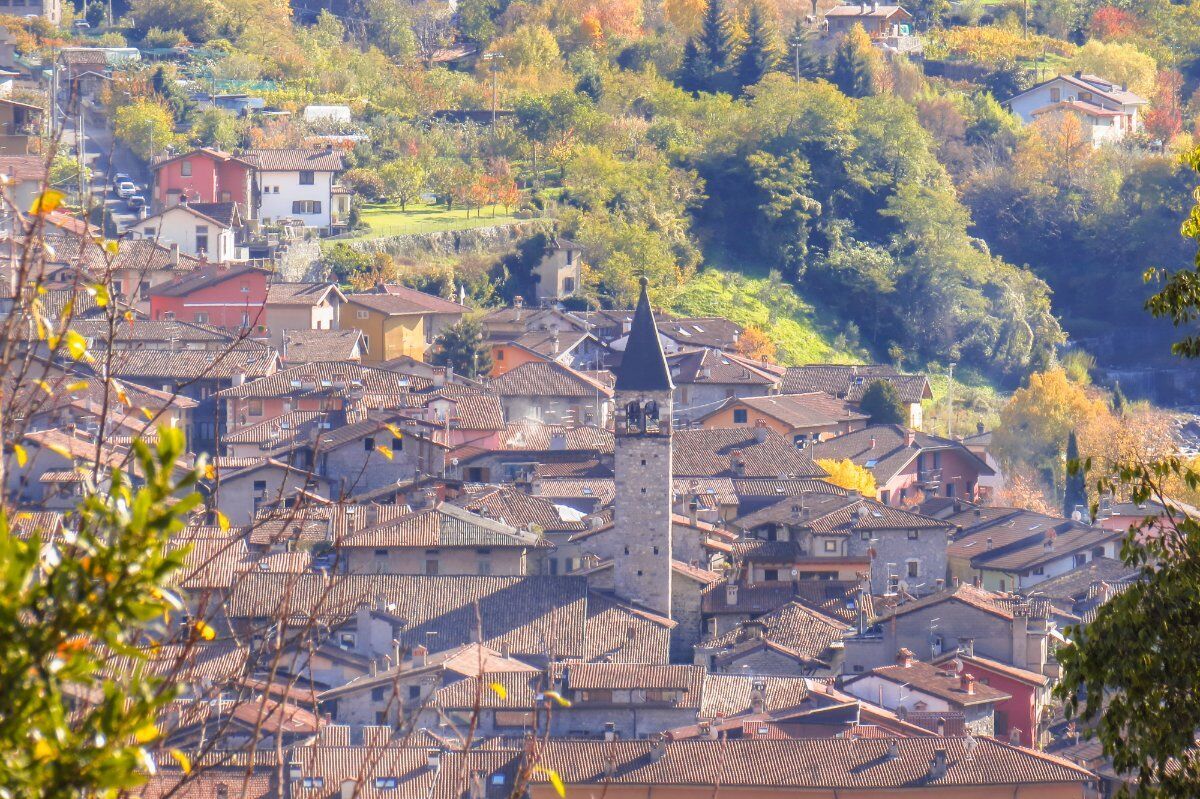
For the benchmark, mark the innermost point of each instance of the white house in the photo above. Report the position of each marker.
(206, 230)
(295, 184)
(1108, 111)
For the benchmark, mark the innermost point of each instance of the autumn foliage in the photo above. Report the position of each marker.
(1109, 23)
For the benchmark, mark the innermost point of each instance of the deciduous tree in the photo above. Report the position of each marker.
(849, 475)
(882, 403)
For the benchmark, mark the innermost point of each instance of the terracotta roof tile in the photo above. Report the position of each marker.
(295, 159)
(763, 453)
(547, 379)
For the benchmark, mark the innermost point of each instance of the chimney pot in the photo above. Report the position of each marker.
(434, 758)
(968, 684)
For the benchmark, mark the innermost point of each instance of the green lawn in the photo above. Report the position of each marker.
(386, 219)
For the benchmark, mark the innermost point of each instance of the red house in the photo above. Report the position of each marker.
(1019, 719)
(223, 295)
(204, 176)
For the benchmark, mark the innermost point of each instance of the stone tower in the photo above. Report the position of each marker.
(642, 558)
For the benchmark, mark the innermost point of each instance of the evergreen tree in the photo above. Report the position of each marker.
(463, 347)
(716, 42)
(758, 56)
(695, 70)
(803, 60)
(1076, 490)
(882, 403)
(852, 68)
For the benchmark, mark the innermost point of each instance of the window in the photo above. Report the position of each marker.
(201, 239)
(414, 692)
(368, 444)
(499, 355)
(397, 444)
(149, 232)
(222, 791)
(1040, 570)
(117, 288)
(144, 290)
(379, 694)
(831, 546)
(245, 319)
(201, 318)
(568, 285)
(254, 407)
(914, 535)
(1055, 95)
(483, 567)
(770, 575)
(306, 207)
(914, 568)
(363, 314)
(884, 496)
(1081, 559)
(570, 257)
(381, 553)
(313, 782)
(385, 783)
(381, 717)
(431, 567)
(866, 535)
(185, 169)
(307, 177)
(366, 343)
(739, 416)
(260, 486)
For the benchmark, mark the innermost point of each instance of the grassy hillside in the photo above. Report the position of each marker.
(802, 334)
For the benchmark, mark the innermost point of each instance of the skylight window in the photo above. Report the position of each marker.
(872, 463)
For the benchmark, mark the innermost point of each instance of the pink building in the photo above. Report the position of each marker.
(224, 295)
(204, 176)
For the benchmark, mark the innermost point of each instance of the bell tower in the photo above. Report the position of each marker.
(643, 398)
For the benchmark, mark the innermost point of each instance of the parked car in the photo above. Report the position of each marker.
(135, 202)
(119, 178)
(81, 24)
(126, 189)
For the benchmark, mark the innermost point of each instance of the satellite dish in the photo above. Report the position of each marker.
(902, 585)
(957, 665)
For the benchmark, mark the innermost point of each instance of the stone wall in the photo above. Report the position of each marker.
(491, 239)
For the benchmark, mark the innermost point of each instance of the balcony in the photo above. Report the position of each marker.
(930, 478)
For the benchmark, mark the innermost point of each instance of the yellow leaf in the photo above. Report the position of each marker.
(500, 690)
(76, 345)
(396, 431)
(146, 733)
(384, 451)
(100, 292)
(206, 631)
(559, 698)
(47, 201)
(42, 750)
(185, 762)
(59, 449)
(44, 386)
(223, 522)
(111, 246)
(129, 317)
(149, 414)
(22, 455)
(210, 471)
(78, 385)
(555, 780)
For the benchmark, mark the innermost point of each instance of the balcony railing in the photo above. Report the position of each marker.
(930, 477)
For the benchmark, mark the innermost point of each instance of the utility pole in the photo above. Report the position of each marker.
(495, 75)
(796, 44)
(950, 402)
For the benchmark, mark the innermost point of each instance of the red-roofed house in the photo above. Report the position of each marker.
(219, 294)
(204, 175)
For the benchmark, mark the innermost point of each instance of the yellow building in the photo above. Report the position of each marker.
(391, 327)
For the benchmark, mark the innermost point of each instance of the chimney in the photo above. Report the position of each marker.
(374, 667)
(937, 765)
(610, 731)
(433, 757)
(979, 428)
(1079, 73)
(989, 542)
(954, 581)
(518, 302)
(758, 697)
(739, 463)
(421, 653)
(905, 657)
(968, 684)
(1048, 544)
(505, 651)
(399, 661)
(554, 343)
(941, 727)
(175, 253)
(658, 748)
(893, 750)
(731, 593)
(1014, 736)
(910, 438)
(872, 443)
(760, 430)
(977, 581)
(439, 376)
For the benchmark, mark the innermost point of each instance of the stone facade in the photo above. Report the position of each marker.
(918, 557)
(643, 499)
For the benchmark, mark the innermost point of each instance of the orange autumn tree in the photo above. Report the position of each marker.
(754, 343)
